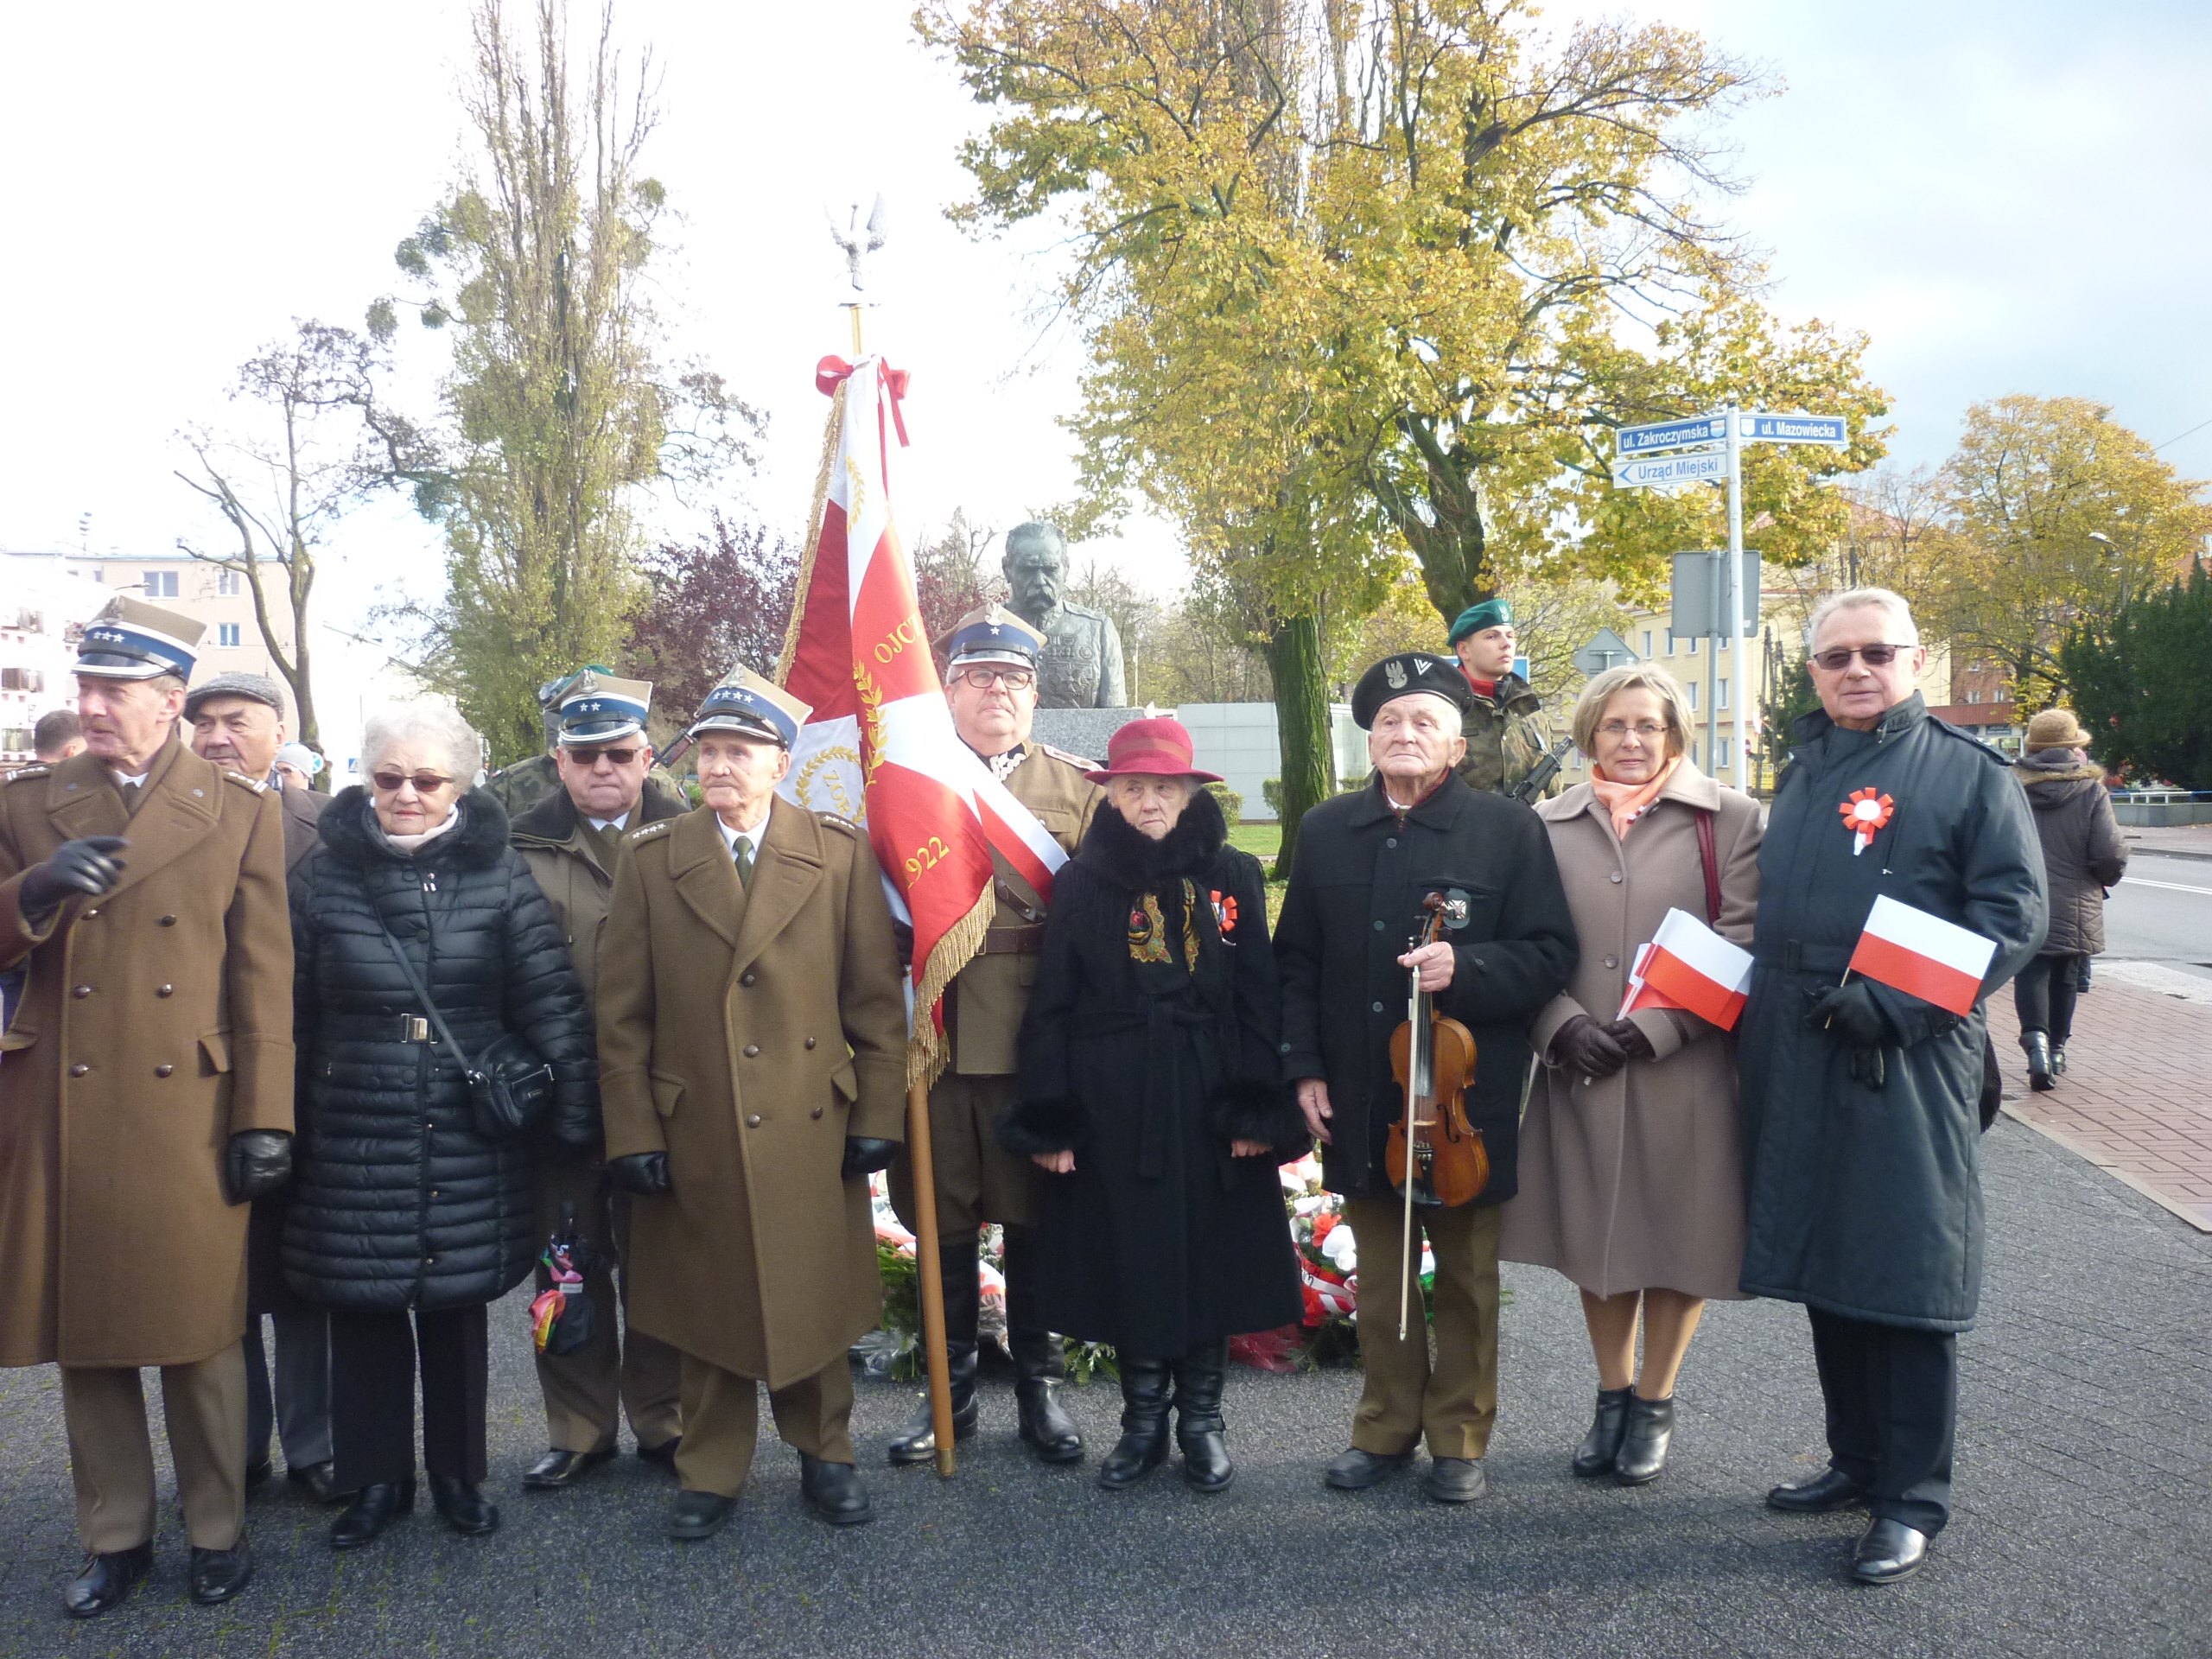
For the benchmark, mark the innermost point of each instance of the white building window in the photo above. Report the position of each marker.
(228, 583)
(1647, 645)
(161, 584)
(1721, 745)
(1693, 644)
(1670, 642)
(226, 633)
(1723, 702)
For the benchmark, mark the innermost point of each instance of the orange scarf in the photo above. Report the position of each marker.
(1626, 802)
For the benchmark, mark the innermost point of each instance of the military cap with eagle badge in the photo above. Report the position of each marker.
(991, 634)
(131, 640)
(751, 707)
(597, 708)
(1404, 675)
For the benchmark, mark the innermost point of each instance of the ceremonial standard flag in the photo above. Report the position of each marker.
(880, 748)
(1936, 961)
(1687, 965)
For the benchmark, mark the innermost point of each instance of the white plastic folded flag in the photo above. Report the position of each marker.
(1936, 961)
(1687, 965)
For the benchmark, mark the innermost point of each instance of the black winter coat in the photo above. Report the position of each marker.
(1868, 1202)
(1356, 885)
(1160, 1240)
(2083, 853)
(397, 1200)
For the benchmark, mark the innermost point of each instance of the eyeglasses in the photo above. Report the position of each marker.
(589, 758)
(1646, 731)
(426, 783)
(982, 679)
(1875, 657)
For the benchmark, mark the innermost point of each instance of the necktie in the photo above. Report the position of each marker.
(743, 849)
(130, 793)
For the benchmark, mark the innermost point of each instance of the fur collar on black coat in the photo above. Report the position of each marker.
(351, 833)
(1118, 852)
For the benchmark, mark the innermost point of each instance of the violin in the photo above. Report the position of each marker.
(1434, 1156)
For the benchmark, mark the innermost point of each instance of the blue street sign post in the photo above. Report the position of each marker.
(1689, 434)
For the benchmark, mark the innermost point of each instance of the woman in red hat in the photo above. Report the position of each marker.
(1150, 1088)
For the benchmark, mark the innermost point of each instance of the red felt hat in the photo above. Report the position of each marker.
(1159, 748)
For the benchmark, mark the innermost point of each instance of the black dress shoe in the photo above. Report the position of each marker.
(1827, 1492)
(463, 1506)
(833, 1490)
(1643, 1447)
(1454, 1480)
(317, 1478)
(698, 1514)
(219, 1574)
(1891, 1550)
(558, 1468)
(1602, 1443)
(373, 1508)
(663, 1454)
(1355, 1471)
(106, 1579)
(257, 1472)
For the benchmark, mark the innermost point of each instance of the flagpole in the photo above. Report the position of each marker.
(927, 1274)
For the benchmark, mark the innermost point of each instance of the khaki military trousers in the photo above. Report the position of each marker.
(722, 1416)
(621, 1368)
(112, 1454)
(977, 1180)
(1452, 1400)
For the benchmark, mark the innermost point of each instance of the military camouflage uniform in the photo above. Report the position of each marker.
(1506, 735)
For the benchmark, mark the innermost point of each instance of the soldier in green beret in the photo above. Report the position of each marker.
(1504, 726)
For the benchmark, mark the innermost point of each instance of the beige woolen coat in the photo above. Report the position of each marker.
(1636, 1182)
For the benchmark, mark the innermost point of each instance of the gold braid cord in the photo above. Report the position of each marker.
(927, 1051)
(814, 518)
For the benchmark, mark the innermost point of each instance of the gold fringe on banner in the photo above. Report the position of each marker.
(814, 518)
(926, 1050)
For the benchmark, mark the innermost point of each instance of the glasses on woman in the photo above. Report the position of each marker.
(1876, 656)
(982, 679)
(426, 783)
(1646, 731)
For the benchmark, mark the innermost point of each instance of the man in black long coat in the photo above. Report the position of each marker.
(1860, 1101)
(1364, 864)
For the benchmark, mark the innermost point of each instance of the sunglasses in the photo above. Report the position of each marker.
(981, 679)
(426, 783)
(1874, 655)
(589, 757)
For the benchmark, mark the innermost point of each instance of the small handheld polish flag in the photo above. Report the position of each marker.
(1687, 965)
(1924, 956)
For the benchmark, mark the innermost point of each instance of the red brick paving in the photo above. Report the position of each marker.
(2136, 1096)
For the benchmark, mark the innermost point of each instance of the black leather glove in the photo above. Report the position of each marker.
(88, 866)
(902, 935)
(255, 1162)
(1851, 1012)
(1631, 1039)
(864, 1155)
(1584, 1045)
(644, 1173)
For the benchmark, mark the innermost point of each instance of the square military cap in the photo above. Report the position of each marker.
(131, 640)
(599, 708)
(750, 707)
(991, 634)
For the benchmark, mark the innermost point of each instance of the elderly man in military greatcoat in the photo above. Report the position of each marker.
(570, 840)
(751, 1048)
(147, 1097)
(991, 684)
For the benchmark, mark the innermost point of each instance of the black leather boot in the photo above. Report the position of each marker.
(1144, 1424)
(465, 1509)
(373, 1508)
(2041, 1077)
(1643, 1447)
(1039, 1362)
(917, 1442)
(1602, 1443)
(1200, 1376)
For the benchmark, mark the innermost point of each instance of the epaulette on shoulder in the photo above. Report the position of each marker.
(1982, 746)
(1080, 762)
(845, 824)
(258, 785)
(647, 831)
(22, 772)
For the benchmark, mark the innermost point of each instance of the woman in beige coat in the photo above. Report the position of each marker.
(1631, 1180)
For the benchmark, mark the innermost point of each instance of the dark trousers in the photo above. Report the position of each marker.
(373, 1360)
(2043, 993)
(1892, 1399)
(299, 1405)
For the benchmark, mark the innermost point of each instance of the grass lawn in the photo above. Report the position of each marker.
(1261, 840)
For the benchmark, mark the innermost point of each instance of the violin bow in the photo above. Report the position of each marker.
(1411, 1268)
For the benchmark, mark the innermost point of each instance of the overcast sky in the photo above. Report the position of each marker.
(2007, 198)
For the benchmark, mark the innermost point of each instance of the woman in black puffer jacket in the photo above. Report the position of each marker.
(400, 1206)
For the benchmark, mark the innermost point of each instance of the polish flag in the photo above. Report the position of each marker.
(879, 748)
(1687, 965)
(1924, 956)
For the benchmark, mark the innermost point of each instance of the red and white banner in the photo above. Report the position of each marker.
(1687, 965)
(1936, 961)
(879, 748)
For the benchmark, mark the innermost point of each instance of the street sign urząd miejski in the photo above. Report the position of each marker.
(1682, 467)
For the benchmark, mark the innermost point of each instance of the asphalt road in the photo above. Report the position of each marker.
(2081, 1527)
(2162, 911)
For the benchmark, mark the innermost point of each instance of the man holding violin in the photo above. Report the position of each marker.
(1365, 865)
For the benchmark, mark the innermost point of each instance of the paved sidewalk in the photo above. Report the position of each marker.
(2136, 1096)
(2178, 840)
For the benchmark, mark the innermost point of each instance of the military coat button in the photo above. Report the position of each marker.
(818, 1111)
(164, 1069)
(82, 991)
(164, 991)
(93, 911)
(1612, 961)
(747, 977)
(78, 1070)
(754, 1121)
(168, 921)
(810, 1042)
(753, 1051)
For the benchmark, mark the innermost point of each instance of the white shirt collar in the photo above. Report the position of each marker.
(751, 837)
(622, 822)
(121, 778)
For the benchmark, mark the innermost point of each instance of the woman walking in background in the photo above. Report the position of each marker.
(1631, 1175)
(2082, 855)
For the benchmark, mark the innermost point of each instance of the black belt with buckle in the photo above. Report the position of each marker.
(1013, 941)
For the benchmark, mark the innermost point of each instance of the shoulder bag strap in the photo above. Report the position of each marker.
(415, 984)
(1711, 859)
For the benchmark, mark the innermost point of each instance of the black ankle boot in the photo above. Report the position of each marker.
(1039, 1362)
(1602, 1443)
(465, 1509)
(1643, 1447)
(2040, 1075)
(373, 1508)
(1200, 1376)
(1144, 1424)
(916, 1441)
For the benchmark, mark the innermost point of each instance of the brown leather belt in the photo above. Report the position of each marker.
(1013, 941)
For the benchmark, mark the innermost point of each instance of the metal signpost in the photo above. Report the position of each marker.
(1709, 448)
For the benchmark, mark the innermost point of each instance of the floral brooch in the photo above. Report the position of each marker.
(1864, 812)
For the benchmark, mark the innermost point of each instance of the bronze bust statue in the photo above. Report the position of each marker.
(1082, 662)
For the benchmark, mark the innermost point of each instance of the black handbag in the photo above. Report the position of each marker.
(510, 1085)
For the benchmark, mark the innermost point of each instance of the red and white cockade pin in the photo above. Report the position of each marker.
(1864, 812)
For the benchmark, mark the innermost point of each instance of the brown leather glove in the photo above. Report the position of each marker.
(1582, 1045)
(1630, 1035)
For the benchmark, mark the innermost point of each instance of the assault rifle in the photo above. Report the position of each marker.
(1541, 775)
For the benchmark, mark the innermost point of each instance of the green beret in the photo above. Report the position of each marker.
(1491, 614)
